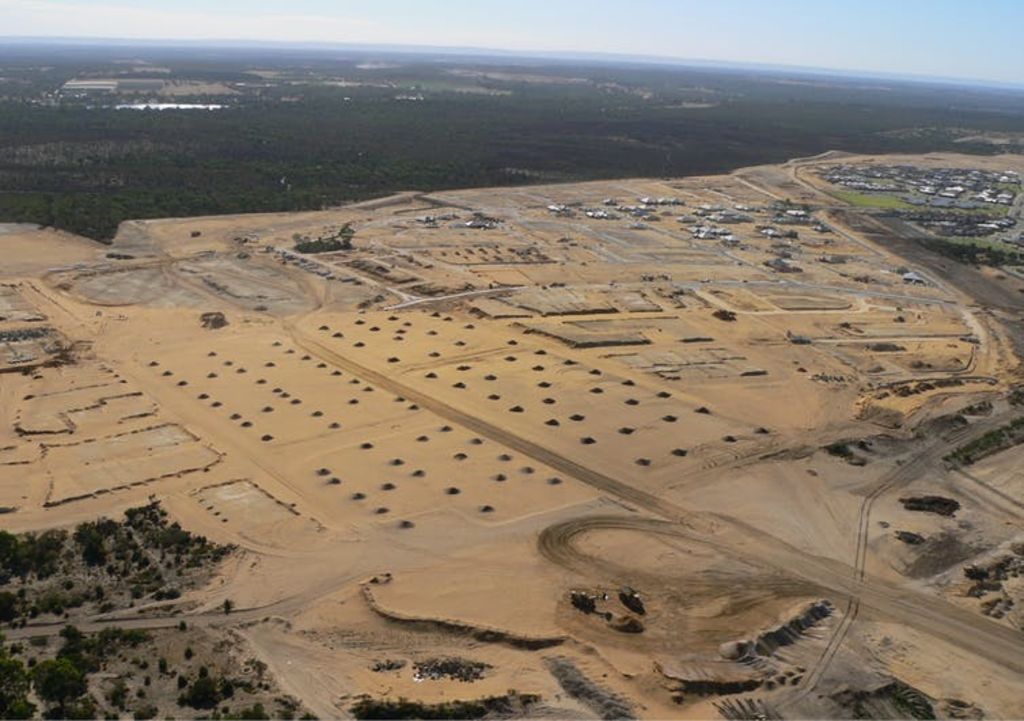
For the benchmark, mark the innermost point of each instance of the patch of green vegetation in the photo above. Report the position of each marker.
(30, 554)
(256, 711)
(206, 692)
(977, 242)
(106, 675)
(329, 243)
(89, 652)
(989, 444)
(994, 211)
(61, 682)
(14, 686)
(872, 200)
(100, 563)
(973, 251)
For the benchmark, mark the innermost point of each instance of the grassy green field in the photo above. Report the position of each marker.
(872, 200)
(994, 211)
(979, 242)
(892, 202)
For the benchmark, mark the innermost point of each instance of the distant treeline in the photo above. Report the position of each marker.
(85, 169)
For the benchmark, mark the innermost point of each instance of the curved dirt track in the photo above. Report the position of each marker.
(933, 616)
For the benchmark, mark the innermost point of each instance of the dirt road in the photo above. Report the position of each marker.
(929, 615)
(731, 535)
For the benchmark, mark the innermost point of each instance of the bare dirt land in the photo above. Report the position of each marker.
(636, 448)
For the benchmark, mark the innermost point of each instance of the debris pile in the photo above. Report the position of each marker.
(931, 504)
(631, 600)
(213, 320)
(456, 669)
(786, 634)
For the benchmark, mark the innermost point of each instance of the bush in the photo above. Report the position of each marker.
(202, 694)
(118, 695)
(142, 713)
(91, 537)
(14, 685)
(256, 711)
(59, 681)
(341, 240)
(9, 606)
(30, 554)
(83, 708)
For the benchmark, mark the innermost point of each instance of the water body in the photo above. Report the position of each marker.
(168, 106)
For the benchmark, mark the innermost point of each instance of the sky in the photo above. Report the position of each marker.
(978, 40)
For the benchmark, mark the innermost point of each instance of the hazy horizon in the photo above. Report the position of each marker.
(939, 40)
(496, 54)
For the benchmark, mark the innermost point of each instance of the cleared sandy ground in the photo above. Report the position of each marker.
(423, 445)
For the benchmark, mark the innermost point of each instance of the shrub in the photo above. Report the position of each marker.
(143, 713)
(59, 681)
(256, 711)
(9, 606)
(14, 685)
(203, 694)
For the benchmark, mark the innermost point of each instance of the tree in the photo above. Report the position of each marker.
(8, 606)
(90, 537)
(78, 650)
(10, 563)
(203, 693)
(58, 681)
(13, 688)
(346, 234)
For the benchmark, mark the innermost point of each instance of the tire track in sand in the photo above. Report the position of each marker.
(933, 616)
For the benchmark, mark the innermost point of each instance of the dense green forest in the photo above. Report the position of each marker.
(323, 130)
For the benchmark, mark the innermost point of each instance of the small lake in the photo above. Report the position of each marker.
(168, 106)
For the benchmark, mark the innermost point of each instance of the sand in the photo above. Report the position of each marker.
(422, 446)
